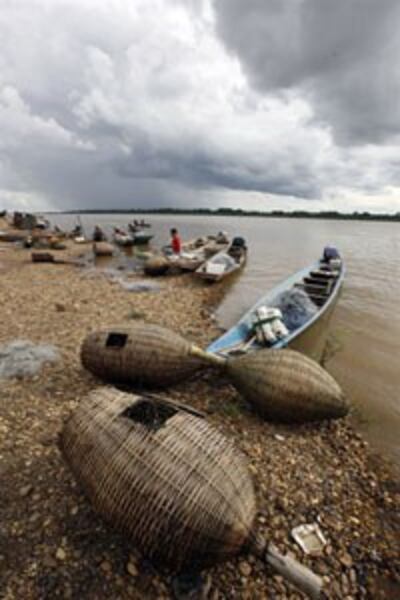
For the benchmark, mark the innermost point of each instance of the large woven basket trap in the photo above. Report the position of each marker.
(163, 475)
(141, 354)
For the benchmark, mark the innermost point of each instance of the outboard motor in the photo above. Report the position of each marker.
(330, 253)
(239, 242)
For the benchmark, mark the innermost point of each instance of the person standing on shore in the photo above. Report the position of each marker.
(175, 241)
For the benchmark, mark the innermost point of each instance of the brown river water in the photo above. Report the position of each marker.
(365, 328)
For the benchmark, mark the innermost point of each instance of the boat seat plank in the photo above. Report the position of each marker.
(318, 285)
(321, 291)
(324, 274)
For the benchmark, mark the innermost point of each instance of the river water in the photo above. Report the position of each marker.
(365, 328)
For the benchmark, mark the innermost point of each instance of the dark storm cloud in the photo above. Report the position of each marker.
(138, 103)
(203, 168)
(341, 54)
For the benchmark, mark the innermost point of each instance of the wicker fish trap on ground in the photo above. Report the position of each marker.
(162, 475)
(155, 266)
(283, 385)
(287, 386)
(141, 354)
(103, 249)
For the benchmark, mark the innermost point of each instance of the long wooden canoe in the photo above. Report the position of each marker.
(140, 238)
(192, 257)
(223, 264)
(309, 338)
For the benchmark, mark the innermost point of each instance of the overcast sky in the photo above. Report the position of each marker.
(258, 104)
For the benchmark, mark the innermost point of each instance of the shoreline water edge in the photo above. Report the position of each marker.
(52, 544)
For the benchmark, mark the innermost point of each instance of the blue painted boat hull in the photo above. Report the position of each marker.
(310, 338)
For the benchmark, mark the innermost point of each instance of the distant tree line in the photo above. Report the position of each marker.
(238, 212)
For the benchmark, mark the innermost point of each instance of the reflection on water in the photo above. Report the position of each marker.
(128, 258)
(366, 322)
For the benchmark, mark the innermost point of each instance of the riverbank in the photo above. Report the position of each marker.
(53, 545)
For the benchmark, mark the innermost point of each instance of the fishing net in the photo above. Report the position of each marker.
(296, 308)
(22, 358)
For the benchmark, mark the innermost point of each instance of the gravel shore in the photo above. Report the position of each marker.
(51, 542)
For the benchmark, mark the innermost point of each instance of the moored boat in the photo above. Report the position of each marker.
(121, 237)
(140, 238)
(225, 262)
(13, 235)
(138, 225)
(196, 252)
(42, 223)
(305, 303)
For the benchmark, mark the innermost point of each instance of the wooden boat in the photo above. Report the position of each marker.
(13, 236)
(225, 262)
(42, 223)
(138, 225)
(188, 246)
(140, 238)
(196, 252)
(123, 239)
(321, 283)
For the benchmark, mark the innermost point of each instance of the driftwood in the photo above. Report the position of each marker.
(13, 236)
(47, 257)
(302, 577)
(42, 257)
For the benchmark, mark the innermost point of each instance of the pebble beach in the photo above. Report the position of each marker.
(53, 545)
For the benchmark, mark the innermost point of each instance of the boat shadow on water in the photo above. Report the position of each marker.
(333, 346)
(123, 258)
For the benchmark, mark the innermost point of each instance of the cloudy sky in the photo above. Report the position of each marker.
(258, 104)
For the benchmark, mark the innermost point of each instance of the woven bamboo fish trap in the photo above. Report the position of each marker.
(165, 477)
(141, 354)
(42, 257)
(102, 249)
(155, 266)
(286, 386)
